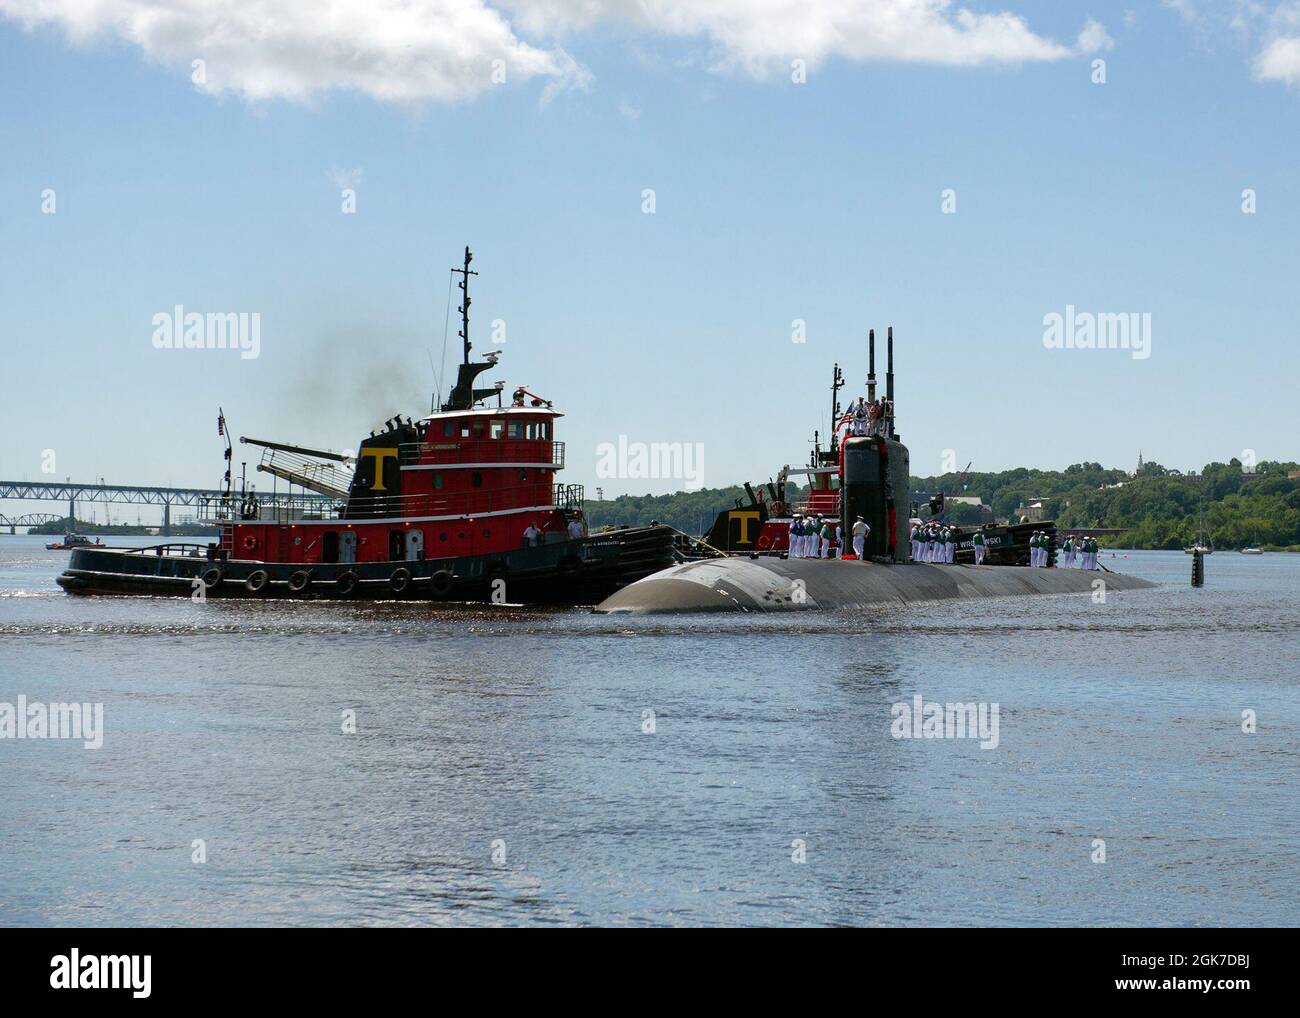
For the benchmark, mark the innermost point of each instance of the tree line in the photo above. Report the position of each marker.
(1231, 504)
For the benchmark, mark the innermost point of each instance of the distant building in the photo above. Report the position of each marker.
(986, 511)
(1035, 510)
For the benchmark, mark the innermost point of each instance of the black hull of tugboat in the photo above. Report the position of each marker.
(568, 572)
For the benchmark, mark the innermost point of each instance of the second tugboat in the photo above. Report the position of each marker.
(461, 505)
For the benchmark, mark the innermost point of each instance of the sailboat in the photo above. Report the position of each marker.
(1200, 545)
(1253, 548)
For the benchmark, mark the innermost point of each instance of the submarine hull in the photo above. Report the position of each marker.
(775, 584)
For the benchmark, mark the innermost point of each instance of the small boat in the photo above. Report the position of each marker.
(1201, 545)
(1252, 550)
(71, 541)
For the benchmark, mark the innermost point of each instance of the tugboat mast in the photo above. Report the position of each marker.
(463, 395)
(465, 272)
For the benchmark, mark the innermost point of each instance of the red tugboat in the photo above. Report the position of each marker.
(461, 505)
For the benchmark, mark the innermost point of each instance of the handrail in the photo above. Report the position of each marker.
(463, 505)
(161, 549)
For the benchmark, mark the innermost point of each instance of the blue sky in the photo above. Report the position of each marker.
(775, 201)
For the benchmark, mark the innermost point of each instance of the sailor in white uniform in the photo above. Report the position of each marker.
(977, 542)
(914, 539)
(859, 425)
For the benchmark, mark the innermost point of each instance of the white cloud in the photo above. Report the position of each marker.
(761, 37)
(415, 51)
(344, 179)
(1185, 9)
(1094, 38)
(405, 51)
(1272, 29)
(1280, 61)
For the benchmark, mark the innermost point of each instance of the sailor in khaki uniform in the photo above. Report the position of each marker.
(860, 532)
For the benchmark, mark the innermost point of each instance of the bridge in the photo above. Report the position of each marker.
(29, 520)
(130, 494)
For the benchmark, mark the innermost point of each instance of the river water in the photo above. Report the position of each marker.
(513, 766)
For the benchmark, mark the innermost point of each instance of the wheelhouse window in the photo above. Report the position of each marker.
(515, 429)
(496, 429)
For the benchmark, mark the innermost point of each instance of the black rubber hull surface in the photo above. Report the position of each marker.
(774, 584)
(566, 572)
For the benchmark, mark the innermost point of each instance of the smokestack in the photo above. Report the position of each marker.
(871, 365)
(889, 371)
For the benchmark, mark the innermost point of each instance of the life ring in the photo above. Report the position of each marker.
(776, 508)
(441, 582)
(212, 577)
(299, 581)
(257, 579)
(764, 542)
(346, 583)
(250, 542)
(400, 580)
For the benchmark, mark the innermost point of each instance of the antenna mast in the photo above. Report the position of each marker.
(465, 273)
(837, 383)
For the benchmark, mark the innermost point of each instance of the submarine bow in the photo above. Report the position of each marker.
(773, 584)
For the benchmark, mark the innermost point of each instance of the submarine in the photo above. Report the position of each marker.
(744, 563)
